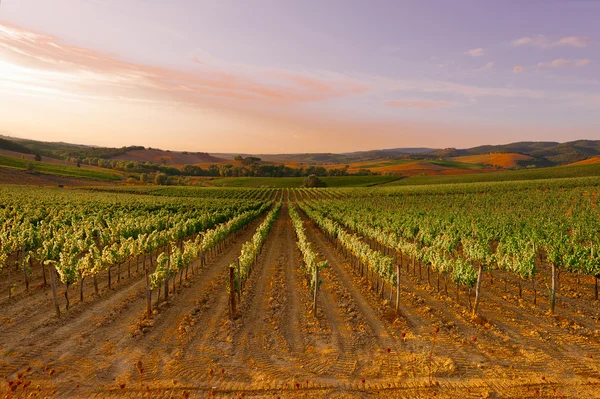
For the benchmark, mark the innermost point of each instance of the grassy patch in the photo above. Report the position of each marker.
(358, 181)
(456, 164)
(283, 182)
(383, 163)
(280, 182)
(61, 170)
(525, 174)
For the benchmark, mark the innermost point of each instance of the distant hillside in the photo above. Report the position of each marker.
(318, 158)
(513, 155)
(414, 167)
(57, 169)
(391, 152)
(589, 161)
(543, 153)
(306, 158)
(67, 150)
(166, 157)
(523, 147)
(506, 156)
(569, 152)
(12, 146)
(502, 160)
(331, 158)
(60, 150)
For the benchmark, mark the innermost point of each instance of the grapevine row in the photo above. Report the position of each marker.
(175, 260)
(240, 270)
(373, 264)
(311, 264)
(462, 235)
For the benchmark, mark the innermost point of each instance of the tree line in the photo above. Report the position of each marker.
(247, 169)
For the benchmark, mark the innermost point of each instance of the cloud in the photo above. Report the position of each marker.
(418, 104)
(561, 62)
(37, 62)
(557, 63)
(574, 41)
(43, 66)
(476, 52)
(489, 65)
(438, 86)
(538, 41)
(543, 42)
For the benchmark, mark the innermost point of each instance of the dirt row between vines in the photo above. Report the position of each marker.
(515, 350)
(275, 346)
(91, 346)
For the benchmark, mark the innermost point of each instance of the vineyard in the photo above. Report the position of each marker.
(485, 289)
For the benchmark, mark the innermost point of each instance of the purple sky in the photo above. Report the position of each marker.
(291, 76)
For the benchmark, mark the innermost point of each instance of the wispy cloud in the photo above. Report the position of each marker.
(44, 62)
(538, 41)
(489, 65)
(439, 86)
(555, 64)
(44, 66)
(476, 52)
(418, 104)
(37, 61)
(574, 41)
(561, 62)
(543, 42)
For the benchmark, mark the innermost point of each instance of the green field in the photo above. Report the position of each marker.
(383, 163)
(439, 162)
(61, 170)
(283, 182)
(526, 174)
(455, 164)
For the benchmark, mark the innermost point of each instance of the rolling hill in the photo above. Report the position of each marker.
(589, 161)
(406, 161)
(501, 160)
(167, 157)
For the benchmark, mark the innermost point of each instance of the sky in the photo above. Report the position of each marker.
(283, 76)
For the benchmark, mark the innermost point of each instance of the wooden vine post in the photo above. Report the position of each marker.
(397, 289)
(231, 291)
(478, 288)
(315, 291)
(553, 290)
(148, 293)
(239, 288)
(54, 293)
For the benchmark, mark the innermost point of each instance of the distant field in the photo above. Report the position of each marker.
(381, 163)
(283, 182)
(589, 161)
(525, 174)
(413, 167)
(57, 169)
(358, 181)
(400, 166)
(503, 160)
(447, 163)
(167, 157)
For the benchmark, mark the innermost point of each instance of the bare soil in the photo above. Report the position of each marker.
(354, 347)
